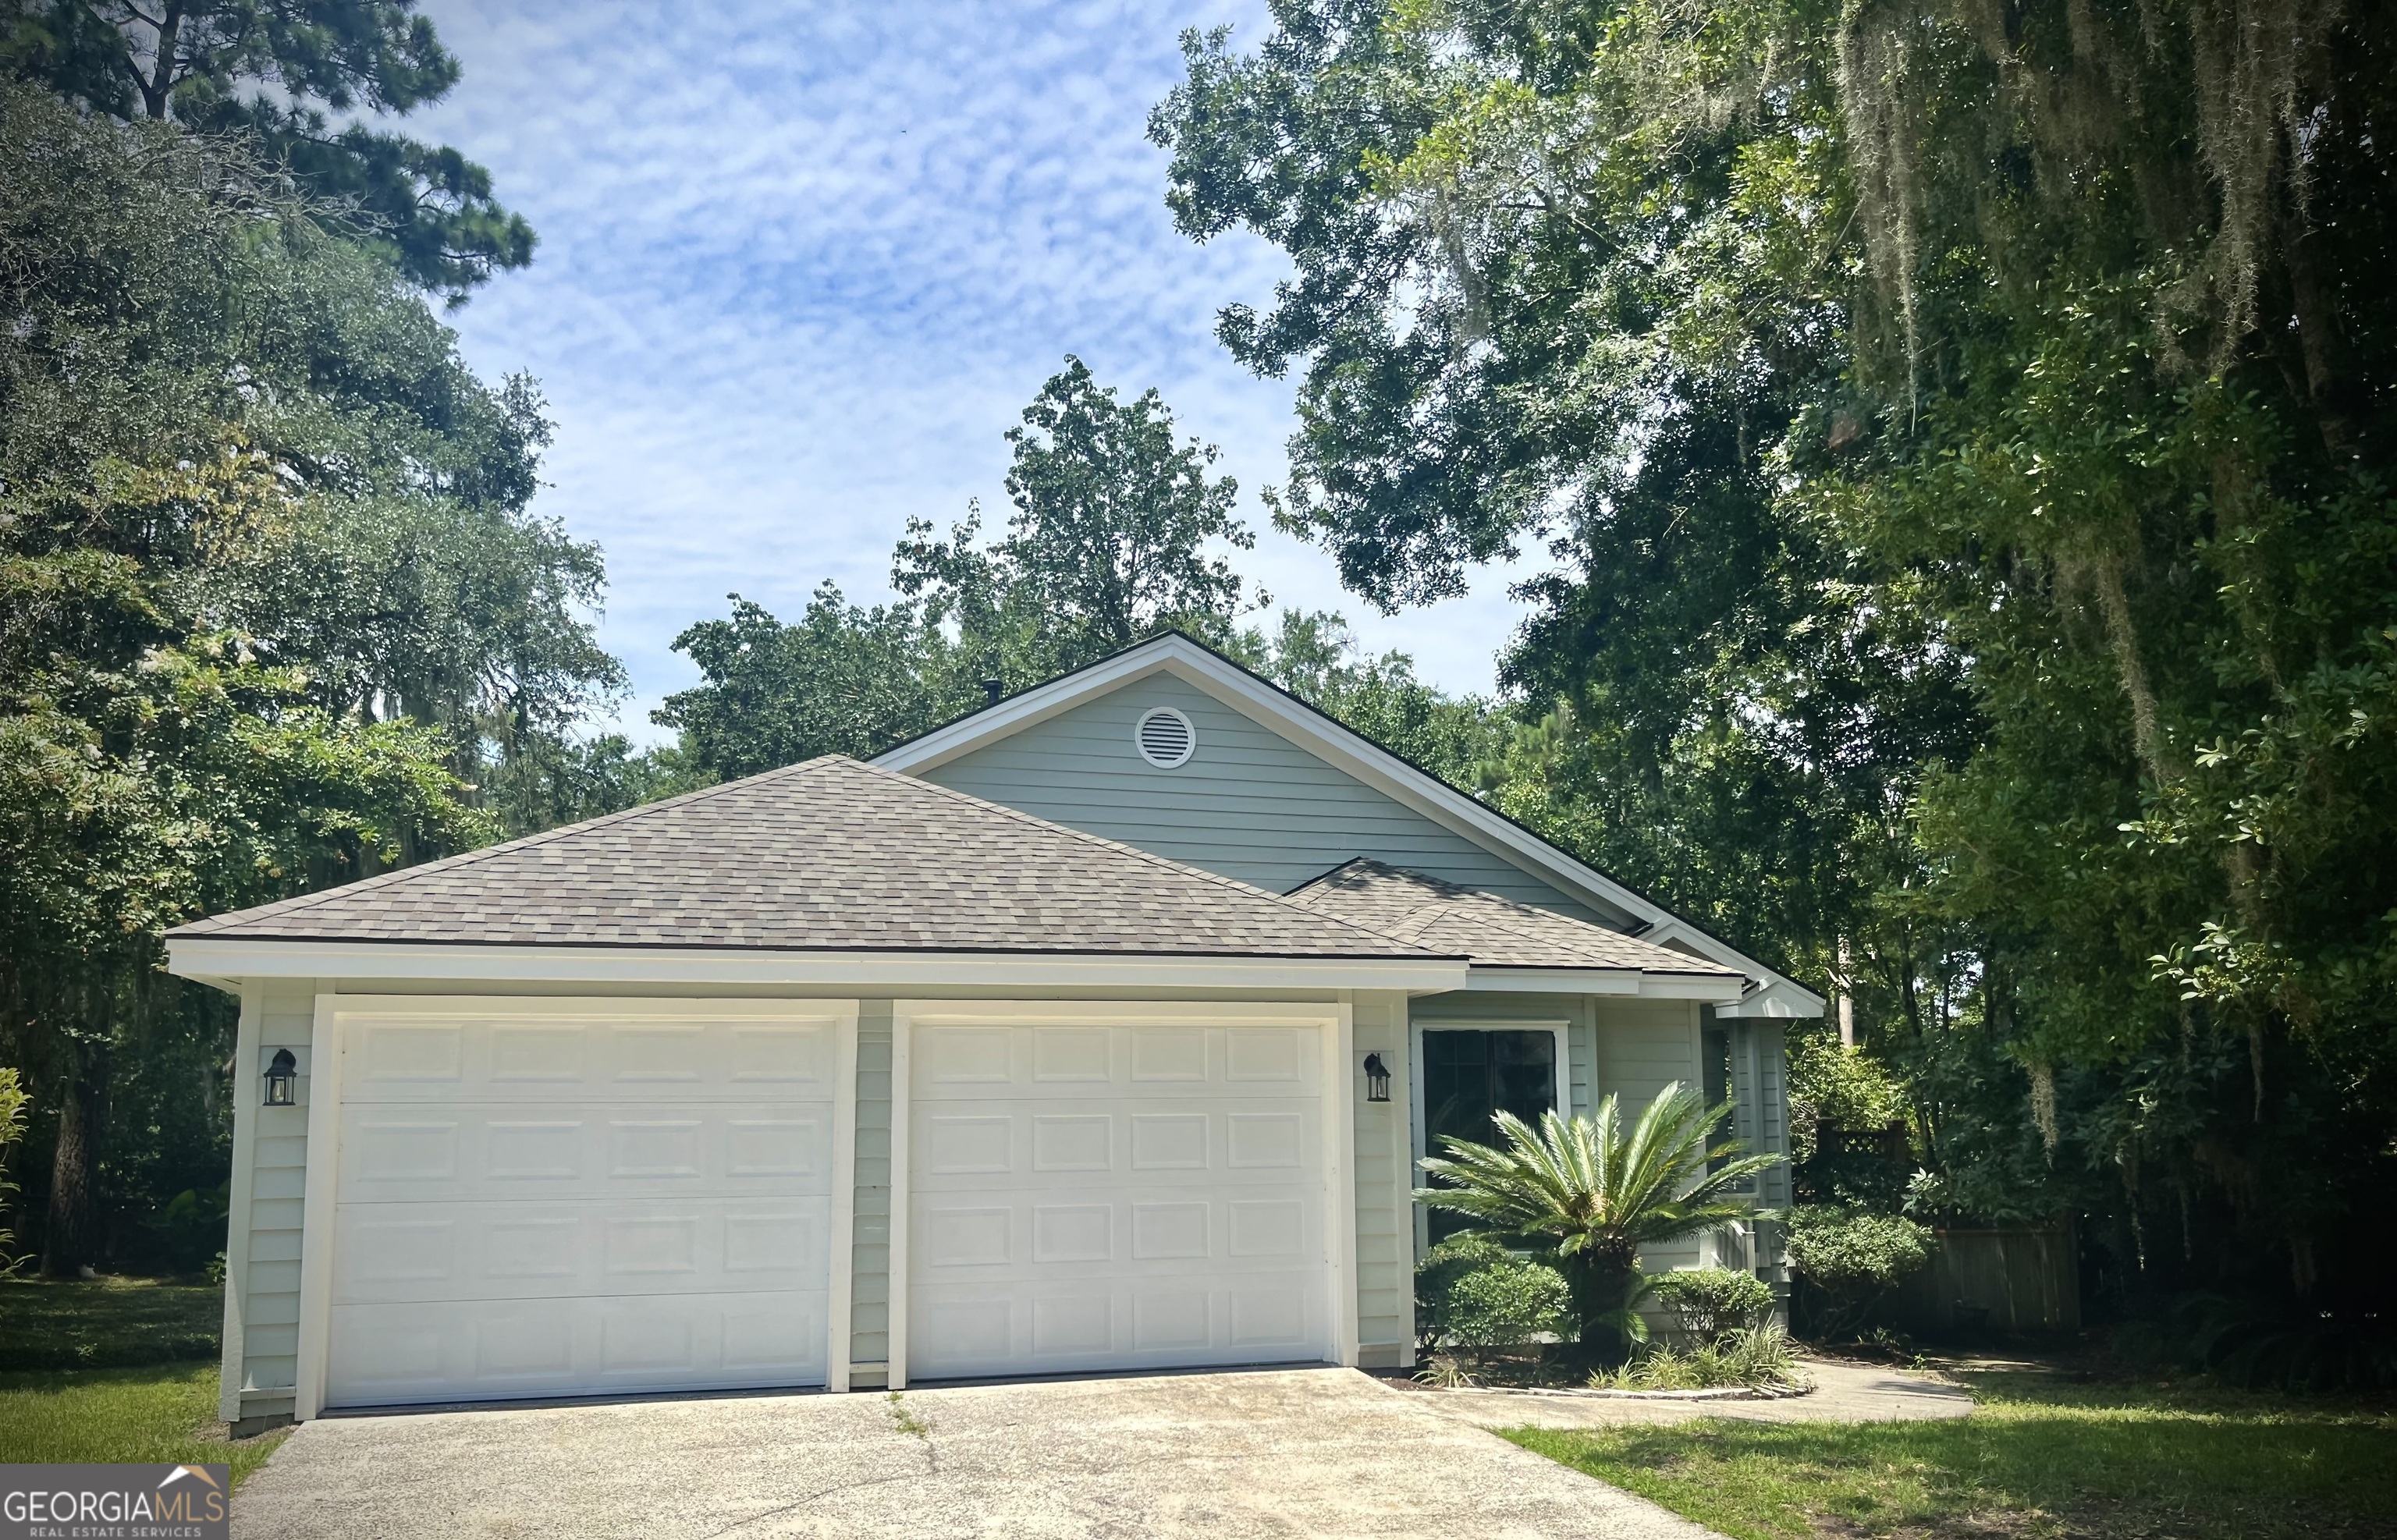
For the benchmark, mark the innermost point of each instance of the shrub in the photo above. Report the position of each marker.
(1853, 1257)
(1599, 1188)
(1709, 1302)
(1507, 1306)
(1752, 1358)
(1440, 1270)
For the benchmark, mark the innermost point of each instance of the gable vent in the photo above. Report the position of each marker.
(1165, 737)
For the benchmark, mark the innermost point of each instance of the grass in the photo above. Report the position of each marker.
(165, 1414)
(101, 1372)
(2042, 1456)
(108, 1323)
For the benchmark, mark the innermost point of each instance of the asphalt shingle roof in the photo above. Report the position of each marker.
(830, 854)
(1493, 931)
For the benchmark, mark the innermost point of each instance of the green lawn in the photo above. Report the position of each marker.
(111, 1323)
(155, 1415)
(89, 1374)
(2042, 1456)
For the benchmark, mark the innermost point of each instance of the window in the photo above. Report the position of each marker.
(1165, 738)
(1468, 1078)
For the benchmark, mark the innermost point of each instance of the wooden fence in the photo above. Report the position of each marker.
(1998, 1279)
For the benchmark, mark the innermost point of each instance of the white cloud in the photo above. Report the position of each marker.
(800, 266)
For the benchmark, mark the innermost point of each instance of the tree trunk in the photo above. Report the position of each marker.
(68, 1241)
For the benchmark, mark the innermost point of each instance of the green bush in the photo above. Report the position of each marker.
(1440, 1270)
(1752, 1358)
(1507, 1304)
(1853, 1257)
(1710, 1303)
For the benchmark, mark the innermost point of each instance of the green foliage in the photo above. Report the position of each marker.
(1598, 1191)
(13, 1098)
(295, 81)
(1507, 1306)
(1748, 1358)
(1118, 535)
(1854, 1256)
(1967, 448)
(1439, 1270)
(1711, 1303)
(271, 605)
(1108, 543)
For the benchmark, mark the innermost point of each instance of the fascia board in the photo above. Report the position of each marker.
(1618, 983)
(1777, 1002)
(223, 959)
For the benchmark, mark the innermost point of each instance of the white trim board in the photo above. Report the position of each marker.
(226, 961)
(249, 1087)
(1284, 713)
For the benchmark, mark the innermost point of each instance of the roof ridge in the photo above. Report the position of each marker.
(1149, 857)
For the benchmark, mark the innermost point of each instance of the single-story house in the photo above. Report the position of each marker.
(1098, 1030)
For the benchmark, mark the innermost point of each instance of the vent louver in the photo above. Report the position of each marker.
(1165, 737)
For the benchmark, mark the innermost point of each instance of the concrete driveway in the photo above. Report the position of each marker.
(1314, 1451)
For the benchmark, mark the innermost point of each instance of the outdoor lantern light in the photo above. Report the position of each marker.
(282, 1074)
(1377, 1078)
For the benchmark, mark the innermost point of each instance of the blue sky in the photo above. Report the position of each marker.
(800, 266)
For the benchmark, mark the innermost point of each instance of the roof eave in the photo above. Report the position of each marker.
(1617, 982)
(223, 961)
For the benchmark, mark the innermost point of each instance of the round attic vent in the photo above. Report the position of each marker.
(1165, 737)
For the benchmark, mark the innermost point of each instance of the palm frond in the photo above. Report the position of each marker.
(1590, 1184)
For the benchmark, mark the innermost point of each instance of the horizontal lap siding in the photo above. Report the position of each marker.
(1249, 804)
(1644, 1046)
(268, 1294)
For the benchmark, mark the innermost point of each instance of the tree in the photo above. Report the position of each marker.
(270, 606)
(1967, 441)
(1598, 1191)
(281, 71)
(1108, 544)
(843, 679)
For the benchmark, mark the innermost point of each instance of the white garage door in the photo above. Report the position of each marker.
(1084, 1195)
(581, 1201)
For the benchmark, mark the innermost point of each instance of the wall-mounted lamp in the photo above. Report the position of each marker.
(282, 1076)
(1377, 1078)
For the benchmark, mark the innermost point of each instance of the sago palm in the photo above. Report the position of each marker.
(1597, 1191)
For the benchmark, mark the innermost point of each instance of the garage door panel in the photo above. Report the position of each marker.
(1167, 1321)
(406, 1251)
(570, 1059)
(504, 1150)
(1116, 1196)
(1108, 1064)
(996, 1144)
(1007, 1237)
(395, 1354)
(570, 1203)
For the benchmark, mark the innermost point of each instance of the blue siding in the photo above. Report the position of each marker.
(1249, 804)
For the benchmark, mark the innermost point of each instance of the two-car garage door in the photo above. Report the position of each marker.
(576, 1202)
(586, 1198)
(1086, 1193)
